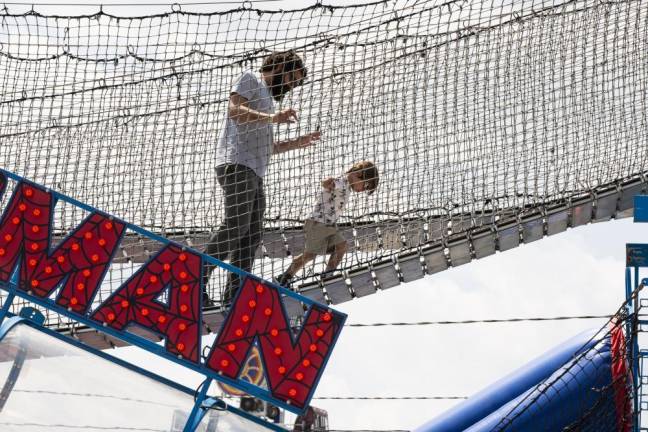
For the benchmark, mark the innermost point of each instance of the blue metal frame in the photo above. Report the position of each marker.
(197, 414)
(633, 352)
(636, 257)
(12, 288)
(202, 405)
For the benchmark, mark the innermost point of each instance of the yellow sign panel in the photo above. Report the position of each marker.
(252, 373)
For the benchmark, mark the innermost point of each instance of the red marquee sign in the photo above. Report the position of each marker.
(78, 264)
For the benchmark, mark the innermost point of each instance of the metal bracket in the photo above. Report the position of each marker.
(32, 314)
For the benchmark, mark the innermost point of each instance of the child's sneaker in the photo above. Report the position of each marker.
(326, 275)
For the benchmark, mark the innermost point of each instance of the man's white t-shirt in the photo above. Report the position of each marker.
(248, 144)
(330, 204)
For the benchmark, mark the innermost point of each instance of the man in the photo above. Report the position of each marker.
(242, 155)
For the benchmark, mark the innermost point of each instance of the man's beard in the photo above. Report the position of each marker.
(278, 89)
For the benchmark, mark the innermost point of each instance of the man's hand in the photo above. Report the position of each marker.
(287, 115)
(307, 140)
(328, 183)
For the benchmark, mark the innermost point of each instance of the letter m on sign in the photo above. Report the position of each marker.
(293, 363)
(79, 261)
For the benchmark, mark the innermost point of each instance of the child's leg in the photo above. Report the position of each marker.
(336, 256)
(299, 262)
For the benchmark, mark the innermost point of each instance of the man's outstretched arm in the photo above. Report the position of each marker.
(239, 110)
(296, 143)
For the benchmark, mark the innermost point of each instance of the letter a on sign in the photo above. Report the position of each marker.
(135, 301)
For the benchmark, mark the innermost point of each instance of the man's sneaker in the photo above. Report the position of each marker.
(284, 279)
(206, 301)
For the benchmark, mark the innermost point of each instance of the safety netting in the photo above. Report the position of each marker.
(475, 113)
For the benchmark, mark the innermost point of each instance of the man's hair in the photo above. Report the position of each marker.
(368, 173)
(288, 59)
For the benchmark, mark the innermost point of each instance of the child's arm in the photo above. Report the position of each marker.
(328, 183)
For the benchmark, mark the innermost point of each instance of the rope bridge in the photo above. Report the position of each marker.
(490, 123)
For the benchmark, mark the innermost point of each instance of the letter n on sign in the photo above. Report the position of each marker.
(293, 363)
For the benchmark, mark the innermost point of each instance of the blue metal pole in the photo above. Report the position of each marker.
(7, 304)
(635, 346)
(197, 412)
(11, 294)
(633, 352)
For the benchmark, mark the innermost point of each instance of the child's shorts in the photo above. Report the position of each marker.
(321, 238)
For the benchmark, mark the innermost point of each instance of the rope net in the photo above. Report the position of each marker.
(473, 112)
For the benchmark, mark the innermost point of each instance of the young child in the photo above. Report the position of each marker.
(320, 230)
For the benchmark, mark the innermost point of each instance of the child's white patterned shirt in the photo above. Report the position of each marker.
(331, 203)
